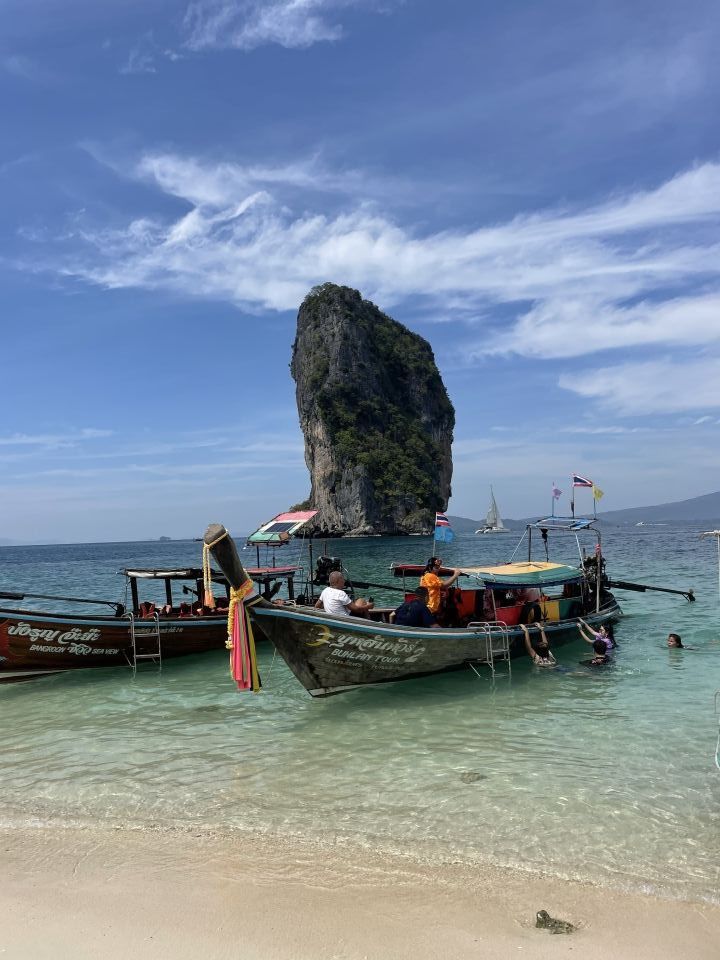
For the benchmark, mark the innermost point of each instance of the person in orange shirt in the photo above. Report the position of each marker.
(434, 584)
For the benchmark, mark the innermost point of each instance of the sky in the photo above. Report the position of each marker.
(533, 188)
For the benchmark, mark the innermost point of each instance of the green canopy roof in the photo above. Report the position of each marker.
(529, 574)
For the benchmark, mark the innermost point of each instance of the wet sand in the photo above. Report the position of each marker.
(84, 894)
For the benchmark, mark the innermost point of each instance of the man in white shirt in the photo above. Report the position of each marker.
(334, 600)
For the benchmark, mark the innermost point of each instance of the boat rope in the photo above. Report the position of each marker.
(208, 598)
(241, 642)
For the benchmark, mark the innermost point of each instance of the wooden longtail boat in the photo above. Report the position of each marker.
(36, 642)
(330, 654)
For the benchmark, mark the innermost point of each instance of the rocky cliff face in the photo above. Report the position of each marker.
(375, 414)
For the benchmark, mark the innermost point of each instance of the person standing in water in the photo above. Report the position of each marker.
(601, 655)
(590, 636)
(539, 651)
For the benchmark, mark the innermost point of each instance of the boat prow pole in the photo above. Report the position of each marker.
(222, 547)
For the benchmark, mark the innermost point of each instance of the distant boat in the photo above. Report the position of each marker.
(640, 523)
(493, 520)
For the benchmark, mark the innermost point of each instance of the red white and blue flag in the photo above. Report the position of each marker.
(443, 530)
(581, 481)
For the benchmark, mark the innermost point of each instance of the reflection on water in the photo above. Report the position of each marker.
(605, 775)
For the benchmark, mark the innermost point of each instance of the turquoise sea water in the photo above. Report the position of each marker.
(606, 776)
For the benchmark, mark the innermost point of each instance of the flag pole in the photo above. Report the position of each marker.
(572, 497)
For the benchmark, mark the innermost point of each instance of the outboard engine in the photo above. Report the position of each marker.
(324, 567)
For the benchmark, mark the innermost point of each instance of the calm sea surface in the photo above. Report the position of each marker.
(607, 776)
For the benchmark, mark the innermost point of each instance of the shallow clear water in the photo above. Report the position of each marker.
(607, 776)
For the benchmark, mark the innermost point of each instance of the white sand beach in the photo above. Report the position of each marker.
(84, 894)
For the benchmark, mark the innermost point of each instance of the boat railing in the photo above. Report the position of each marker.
(494, 645)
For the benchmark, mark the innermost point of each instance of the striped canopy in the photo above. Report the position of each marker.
(282, 527)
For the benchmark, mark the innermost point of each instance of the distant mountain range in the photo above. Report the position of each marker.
(705, 509)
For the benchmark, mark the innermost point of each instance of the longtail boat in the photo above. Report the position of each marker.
(35, 642)
(331, 654)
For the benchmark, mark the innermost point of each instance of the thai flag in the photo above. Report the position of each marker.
(556, 493)
(581, 481)
(443, 530)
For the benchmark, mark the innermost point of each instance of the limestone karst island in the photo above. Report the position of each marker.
(376, 417)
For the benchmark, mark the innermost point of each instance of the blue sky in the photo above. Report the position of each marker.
(534, 188)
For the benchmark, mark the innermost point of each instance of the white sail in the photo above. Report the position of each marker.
(493, 520)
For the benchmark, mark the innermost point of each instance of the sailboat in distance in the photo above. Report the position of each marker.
(493, 520)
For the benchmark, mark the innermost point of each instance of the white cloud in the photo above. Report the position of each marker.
(576, 326)
(220, 185)
(54, 439)
(247, 24)
(26, 68)
(142, 58)
(242, 241)
(638, 271)
(656, 386)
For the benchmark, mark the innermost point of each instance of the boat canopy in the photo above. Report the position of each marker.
(282, 527)
(530, 574)
(564, 523)
(190, 573)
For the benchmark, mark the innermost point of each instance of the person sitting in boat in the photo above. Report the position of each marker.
(336, 601)
(539, 651)
(147, 610)
(415, 613)
(434, 584)
(590, 636)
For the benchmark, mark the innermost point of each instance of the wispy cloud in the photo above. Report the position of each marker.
(143, 56)
(576, 326)
(240, 241)
(52, 440)
(656, 386)
(638, 271)
(26, 68)
(247, 24)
